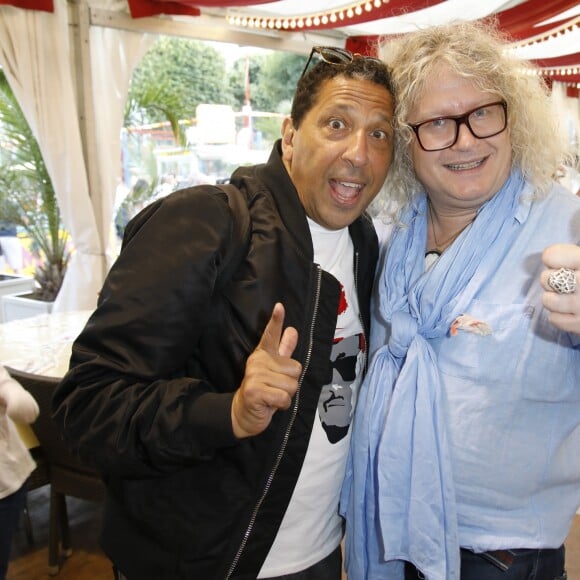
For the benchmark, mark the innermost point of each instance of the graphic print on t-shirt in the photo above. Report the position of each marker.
(335, 403)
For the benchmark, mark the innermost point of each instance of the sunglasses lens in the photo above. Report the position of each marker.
(333, 55)
(329, 55)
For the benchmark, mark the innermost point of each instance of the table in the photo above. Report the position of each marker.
(40, 345)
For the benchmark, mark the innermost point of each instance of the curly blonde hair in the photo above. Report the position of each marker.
(475, 51)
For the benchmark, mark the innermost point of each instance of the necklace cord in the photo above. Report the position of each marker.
(440, 248)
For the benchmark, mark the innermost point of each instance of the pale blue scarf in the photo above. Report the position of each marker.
(398, 497)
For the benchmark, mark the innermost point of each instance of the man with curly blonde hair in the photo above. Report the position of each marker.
(464, 455)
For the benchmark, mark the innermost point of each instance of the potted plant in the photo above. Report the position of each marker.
(14, 284)
(28, 199)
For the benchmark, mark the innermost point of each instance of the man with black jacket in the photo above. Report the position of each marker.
(214, 383)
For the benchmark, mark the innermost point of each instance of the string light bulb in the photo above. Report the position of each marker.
(311, 20)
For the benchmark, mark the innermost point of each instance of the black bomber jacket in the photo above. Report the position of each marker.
(148, 394)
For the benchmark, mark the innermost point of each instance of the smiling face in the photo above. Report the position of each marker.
(473, 170)
(339, 157)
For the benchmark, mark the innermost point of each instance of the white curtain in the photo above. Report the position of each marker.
(114, 55)
(36, 57)
(34, 53)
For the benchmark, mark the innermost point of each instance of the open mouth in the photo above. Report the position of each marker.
(346, 192)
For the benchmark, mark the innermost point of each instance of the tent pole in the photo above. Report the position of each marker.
(79, 19)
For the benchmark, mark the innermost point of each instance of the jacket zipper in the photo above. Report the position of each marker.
(287, 433)
(360, 316)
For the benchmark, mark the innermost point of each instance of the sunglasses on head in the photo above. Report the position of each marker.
(334, 55)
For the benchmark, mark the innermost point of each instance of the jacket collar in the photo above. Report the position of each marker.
(273, 177)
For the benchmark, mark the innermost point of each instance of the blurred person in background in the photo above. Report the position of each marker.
(16, 463)
(11, 251)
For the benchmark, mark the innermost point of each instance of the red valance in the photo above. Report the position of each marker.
(558, 61)
(522, 17)
(521, 32)
(141, 8)
(227, 3)
(41, 5)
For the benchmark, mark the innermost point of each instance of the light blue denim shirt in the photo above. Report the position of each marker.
(496, 446)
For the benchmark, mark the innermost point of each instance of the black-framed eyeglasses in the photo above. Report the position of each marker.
(333, 55)
(442, 132)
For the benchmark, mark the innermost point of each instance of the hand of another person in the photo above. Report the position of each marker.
(19, 403)
(564, 308)
(270, 380)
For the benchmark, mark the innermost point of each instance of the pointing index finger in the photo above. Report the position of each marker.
(272, 334)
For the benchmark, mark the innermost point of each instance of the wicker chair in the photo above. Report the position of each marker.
(67, 475)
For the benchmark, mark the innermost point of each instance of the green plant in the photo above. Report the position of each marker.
(27, 196)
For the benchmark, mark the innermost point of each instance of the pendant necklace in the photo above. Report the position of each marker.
(439, 248)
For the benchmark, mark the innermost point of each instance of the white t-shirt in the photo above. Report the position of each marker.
(311, 528)
(16, 463)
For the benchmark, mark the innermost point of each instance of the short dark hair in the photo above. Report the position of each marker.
(361, 68)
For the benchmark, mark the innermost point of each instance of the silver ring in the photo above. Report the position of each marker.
(563, 281)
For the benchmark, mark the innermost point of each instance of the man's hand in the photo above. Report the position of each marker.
(270, 380)
(564, 308)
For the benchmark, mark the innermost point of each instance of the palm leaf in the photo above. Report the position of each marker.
(27, 196)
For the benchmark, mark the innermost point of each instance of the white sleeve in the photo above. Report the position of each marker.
(15, 400)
